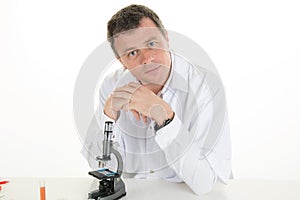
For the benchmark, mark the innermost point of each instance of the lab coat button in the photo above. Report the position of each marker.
(151, 171)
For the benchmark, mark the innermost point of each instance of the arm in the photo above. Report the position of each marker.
(199, 149)
(92, 146)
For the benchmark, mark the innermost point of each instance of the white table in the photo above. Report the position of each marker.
(77, 189)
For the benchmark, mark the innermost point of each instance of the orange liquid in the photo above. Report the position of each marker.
(42, 193)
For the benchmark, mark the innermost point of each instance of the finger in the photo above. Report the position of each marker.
(136, 115)
(121, 94)
(145, 119)
(118, 103)
(126, 107)
(126, 88)
(134, 84)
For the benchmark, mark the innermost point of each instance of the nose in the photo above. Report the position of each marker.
(147, 56)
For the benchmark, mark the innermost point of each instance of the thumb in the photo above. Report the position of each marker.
(136, 115)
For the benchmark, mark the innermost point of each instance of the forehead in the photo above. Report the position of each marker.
(136, 35)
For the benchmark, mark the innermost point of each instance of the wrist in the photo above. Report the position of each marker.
(164, 123)
(108, 111)
(165, 114)
(112, 115)
(170, 114)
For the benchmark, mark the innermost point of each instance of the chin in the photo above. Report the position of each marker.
(155, 81)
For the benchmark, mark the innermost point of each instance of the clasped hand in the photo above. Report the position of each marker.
(139, 100)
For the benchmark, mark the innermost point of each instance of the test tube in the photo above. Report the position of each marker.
(42, 190)
(1, 193)
(2, 184)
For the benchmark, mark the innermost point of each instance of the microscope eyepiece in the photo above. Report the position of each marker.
(108, 130)
(108, 127)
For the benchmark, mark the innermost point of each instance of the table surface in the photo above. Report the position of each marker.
(77, 189)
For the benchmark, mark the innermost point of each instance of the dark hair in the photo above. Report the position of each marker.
(129, 18)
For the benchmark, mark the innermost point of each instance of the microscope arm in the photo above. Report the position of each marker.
(119, 160)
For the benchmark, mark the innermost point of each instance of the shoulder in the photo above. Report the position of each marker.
(110, 81)
(195, 78)
(201, 77)
(114, 77)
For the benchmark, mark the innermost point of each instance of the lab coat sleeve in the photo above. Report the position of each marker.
(199, 151)
(92, 146)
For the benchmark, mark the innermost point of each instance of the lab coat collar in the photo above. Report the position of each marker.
(178, 78)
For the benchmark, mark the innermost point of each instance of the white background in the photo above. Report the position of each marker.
(255, 46)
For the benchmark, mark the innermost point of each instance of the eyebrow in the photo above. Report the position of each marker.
(152, 38)
(131, 48)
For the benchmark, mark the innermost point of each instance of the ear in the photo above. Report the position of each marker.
(167, 36)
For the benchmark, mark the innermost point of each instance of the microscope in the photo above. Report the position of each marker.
(111, 186)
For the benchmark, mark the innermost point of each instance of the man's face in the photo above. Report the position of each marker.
(145, 52)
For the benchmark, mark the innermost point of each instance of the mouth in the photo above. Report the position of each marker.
(152, 69)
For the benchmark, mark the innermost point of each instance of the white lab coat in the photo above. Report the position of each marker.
(195, 147)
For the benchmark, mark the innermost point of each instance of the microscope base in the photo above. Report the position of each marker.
(119, 192)
(114, 196)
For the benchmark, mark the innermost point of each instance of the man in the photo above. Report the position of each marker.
(170, 118)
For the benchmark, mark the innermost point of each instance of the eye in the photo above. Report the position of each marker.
(132, 53)
(152, 44)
